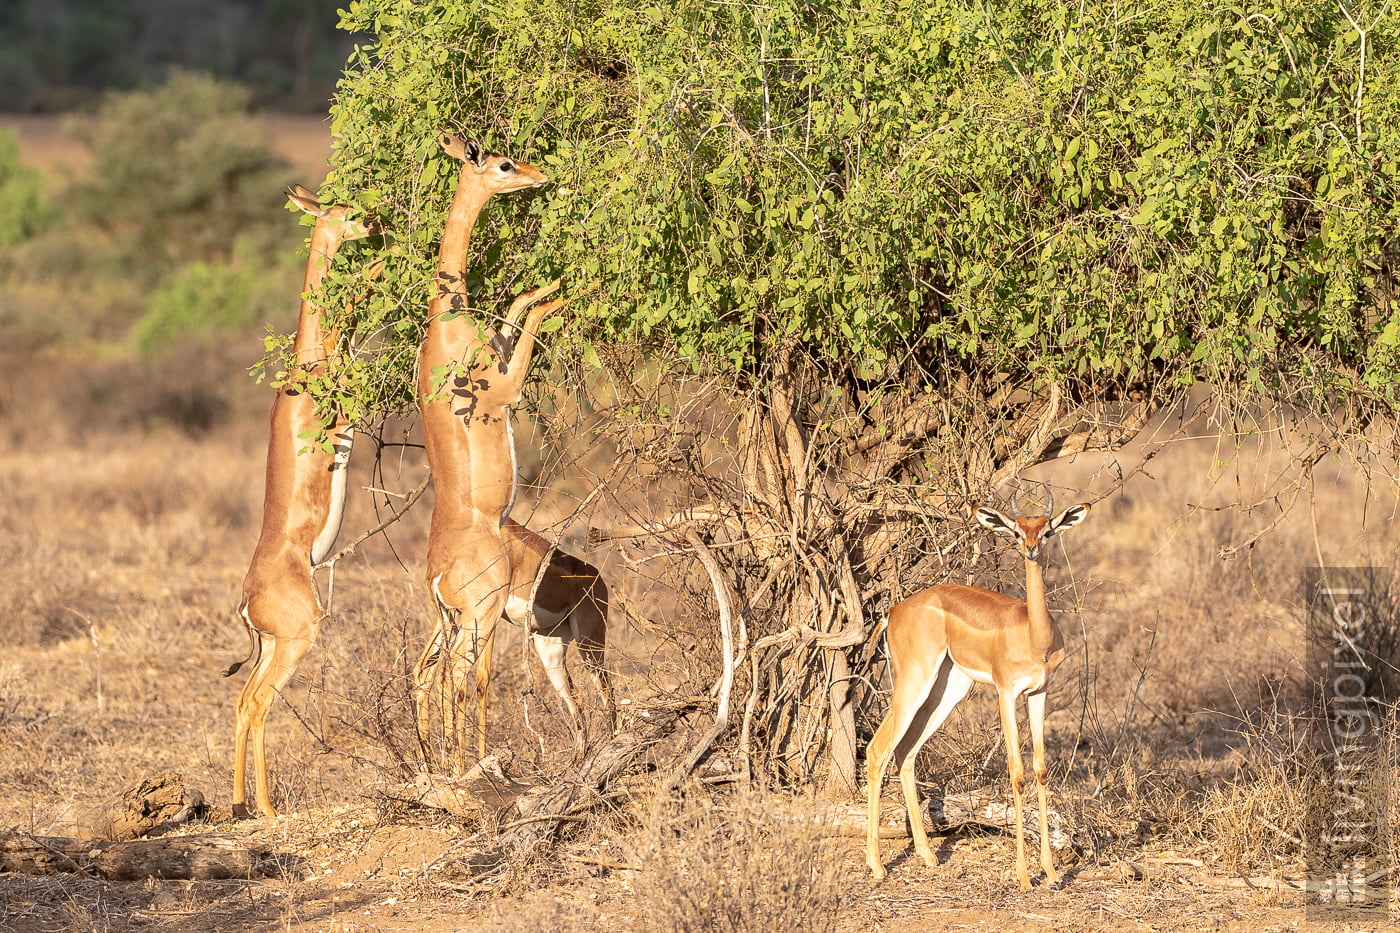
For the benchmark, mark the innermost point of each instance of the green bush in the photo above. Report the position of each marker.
(1126, 196)
(25, 205)
(201, 301)
(181, 172)
(180, 225)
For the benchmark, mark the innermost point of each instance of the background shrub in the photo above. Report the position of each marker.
(203, 300)
(25, 207)
(181, 172)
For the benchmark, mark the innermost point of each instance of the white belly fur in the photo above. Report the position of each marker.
(521, 612)
(340, 477)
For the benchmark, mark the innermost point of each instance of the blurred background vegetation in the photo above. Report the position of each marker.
(169, 229)
(162, 254)
(56, 55)
(182, 193)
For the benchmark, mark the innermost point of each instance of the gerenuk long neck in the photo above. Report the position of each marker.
(468, 201)
(1042, 626)
(447, 351)
(314, 343)
(450, 292)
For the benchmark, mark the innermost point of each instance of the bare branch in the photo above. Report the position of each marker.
(350, 548)
(1306, 462)
(726, 683)
(1036, 441)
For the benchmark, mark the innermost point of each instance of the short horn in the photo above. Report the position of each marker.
(1049, 500)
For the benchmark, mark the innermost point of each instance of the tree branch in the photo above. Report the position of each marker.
(726, 683)
(350, 548)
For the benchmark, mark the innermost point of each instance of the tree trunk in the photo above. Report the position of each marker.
(841, 778)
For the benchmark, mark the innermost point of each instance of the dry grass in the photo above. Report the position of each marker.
(1174, 728)
(748, 865)
(129, 509)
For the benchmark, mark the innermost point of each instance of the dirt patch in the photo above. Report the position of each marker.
(347, 869)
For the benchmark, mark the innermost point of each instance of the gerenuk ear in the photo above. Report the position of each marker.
(475, 153)
(1069, 517)
(991, 518)
(305, 200)
(463, 150)
(452, 146)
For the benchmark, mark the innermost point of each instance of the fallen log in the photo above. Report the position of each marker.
(484, 785)
(206, 857)
(154, 805)
(986, 807)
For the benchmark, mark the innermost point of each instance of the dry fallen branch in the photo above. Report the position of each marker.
(199, 858)
(539, 815)
(987, 807)
(726, 684)
(101, 840)
(485, 784)
(153, 805)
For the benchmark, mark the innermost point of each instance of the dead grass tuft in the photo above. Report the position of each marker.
(540, 910)
(744, 864)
